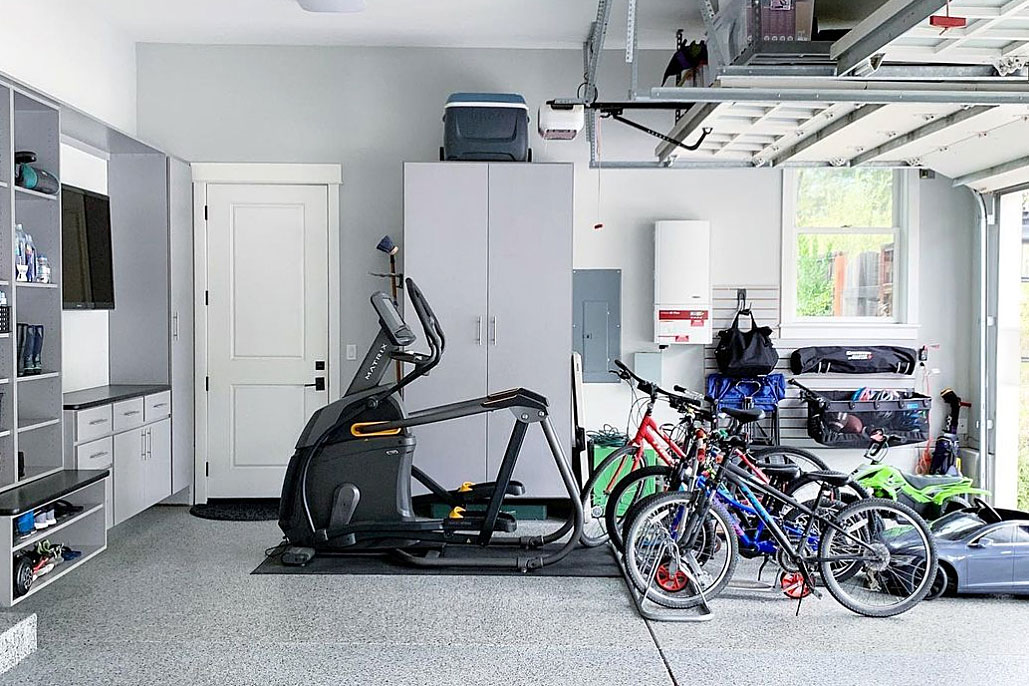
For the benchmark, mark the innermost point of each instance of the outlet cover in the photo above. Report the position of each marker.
(963, 425)
(351, 352)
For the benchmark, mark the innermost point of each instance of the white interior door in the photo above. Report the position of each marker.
(267, 330)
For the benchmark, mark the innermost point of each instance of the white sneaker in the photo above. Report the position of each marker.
(51, 518)
(41, 521)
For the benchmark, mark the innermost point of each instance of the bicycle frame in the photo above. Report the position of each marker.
(648, 433)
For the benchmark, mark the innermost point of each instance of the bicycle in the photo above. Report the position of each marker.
(851, 548)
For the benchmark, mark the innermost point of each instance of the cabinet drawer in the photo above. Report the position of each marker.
(128, 414)
(158, 406)
(95, 455)
(92, 423)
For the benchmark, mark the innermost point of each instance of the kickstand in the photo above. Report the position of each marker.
(665, 614)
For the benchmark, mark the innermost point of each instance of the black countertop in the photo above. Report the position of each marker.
(30, 496)
(103, 395)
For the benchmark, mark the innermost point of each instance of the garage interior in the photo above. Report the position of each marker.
(602, 341)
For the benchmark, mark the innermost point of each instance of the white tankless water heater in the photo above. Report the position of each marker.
(682, 282)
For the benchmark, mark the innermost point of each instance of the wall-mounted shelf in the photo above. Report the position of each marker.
(38, 377)
(31, 424)
(5, 433)
(3, 184)
(34, 194)
(33, 284)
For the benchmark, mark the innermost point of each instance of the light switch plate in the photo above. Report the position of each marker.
(351, 352)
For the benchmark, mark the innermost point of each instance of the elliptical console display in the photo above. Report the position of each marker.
(348, 485)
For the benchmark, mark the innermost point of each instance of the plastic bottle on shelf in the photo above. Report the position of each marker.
(30, 258)
(21, 267)
(42, 269)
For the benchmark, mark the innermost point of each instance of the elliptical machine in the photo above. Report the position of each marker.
(348, 485)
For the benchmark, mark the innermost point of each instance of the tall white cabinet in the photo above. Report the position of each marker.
(490, 244)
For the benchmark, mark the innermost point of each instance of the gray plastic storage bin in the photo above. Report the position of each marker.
(486, 127)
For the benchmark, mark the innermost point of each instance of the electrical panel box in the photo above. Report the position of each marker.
(682, 282)
(597, 321)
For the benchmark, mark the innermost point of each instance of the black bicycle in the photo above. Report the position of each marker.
(875, 556)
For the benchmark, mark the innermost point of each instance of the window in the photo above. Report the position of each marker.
(847, 249)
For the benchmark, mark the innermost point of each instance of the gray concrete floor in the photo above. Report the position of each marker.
(171, 602)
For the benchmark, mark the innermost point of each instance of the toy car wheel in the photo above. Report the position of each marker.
(939, 585)
(22, 576)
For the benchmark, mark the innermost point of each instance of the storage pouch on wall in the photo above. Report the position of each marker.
(745, 354)
(838, 359)
(764, 393)
(846, 419)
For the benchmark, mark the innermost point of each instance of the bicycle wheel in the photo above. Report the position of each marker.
(892, 550)
(629, 490)
(595, 493)
(656, 550)
(784, 454)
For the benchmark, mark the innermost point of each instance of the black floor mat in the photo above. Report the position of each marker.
(238, 510)
(580, 562)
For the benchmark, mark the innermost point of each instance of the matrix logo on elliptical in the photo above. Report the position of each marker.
(375, 362)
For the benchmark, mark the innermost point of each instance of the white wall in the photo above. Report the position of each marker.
(371, 109)
(85, 341)
(61, 50)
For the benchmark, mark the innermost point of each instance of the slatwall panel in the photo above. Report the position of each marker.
(765, 303)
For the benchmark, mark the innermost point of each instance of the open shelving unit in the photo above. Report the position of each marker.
(84, 531)
(31, 433)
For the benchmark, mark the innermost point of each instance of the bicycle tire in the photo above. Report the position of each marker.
(921, 534)
(650, 506)
(612, 520)
(591, 537)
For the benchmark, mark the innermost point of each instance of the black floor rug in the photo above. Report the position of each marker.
(580, 562)
(238, 510)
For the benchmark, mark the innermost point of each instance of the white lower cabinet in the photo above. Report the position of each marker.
(142, 469)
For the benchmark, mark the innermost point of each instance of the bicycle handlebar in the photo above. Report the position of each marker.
(653, 390)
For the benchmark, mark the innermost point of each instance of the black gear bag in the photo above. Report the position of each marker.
(837, 359)
(745, 354)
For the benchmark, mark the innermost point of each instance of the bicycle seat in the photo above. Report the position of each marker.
(921, 481)
(830, 478)
(786, 472)
(754, 414)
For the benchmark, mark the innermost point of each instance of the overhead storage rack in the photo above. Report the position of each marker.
(893, 92)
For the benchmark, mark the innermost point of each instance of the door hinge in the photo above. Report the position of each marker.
(205, 213)
(207, 297)
(207, 469)
(207, 383)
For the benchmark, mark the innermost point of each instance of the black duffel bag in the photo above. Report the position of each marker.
(857, 359)
(745, 354)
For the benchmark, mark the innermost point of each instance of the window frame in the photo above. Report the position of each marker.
(903, 325)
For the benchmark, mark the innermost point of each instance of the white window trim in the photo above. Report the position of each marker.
(906, 224)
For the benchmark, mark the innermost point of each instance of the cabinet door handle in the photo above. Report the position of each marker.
(160, 405)
(149, 443)
(98, 421)
(129, 413)
(175, 326)
(478, 330)
(142, 444)
(99, 454)
(496, 328)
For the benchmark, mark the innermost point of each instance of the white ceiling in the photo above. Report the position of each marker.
(432, 23)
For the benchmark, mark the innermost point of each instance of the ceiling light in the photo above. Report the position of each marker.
(339, 6)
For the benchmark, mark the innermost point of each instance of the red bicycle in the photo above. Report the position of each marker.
(632, 456)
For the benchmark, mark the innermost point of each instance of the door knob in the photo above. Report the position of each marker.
(318, 385)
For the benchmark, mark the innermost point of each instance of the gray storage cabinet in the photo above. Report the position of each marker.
(490, 244)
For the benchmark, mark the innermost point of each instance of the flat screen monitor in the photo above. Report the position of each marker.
(86, 261)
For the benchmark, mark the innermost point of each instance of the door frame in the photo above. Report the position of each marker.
(328, 175)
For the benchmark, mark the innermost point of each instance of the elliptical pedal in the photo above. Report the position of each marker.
(473, 521)
(470, 492)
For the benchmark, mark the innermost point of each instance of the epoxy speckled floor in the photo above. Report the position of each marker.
(172, 602)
